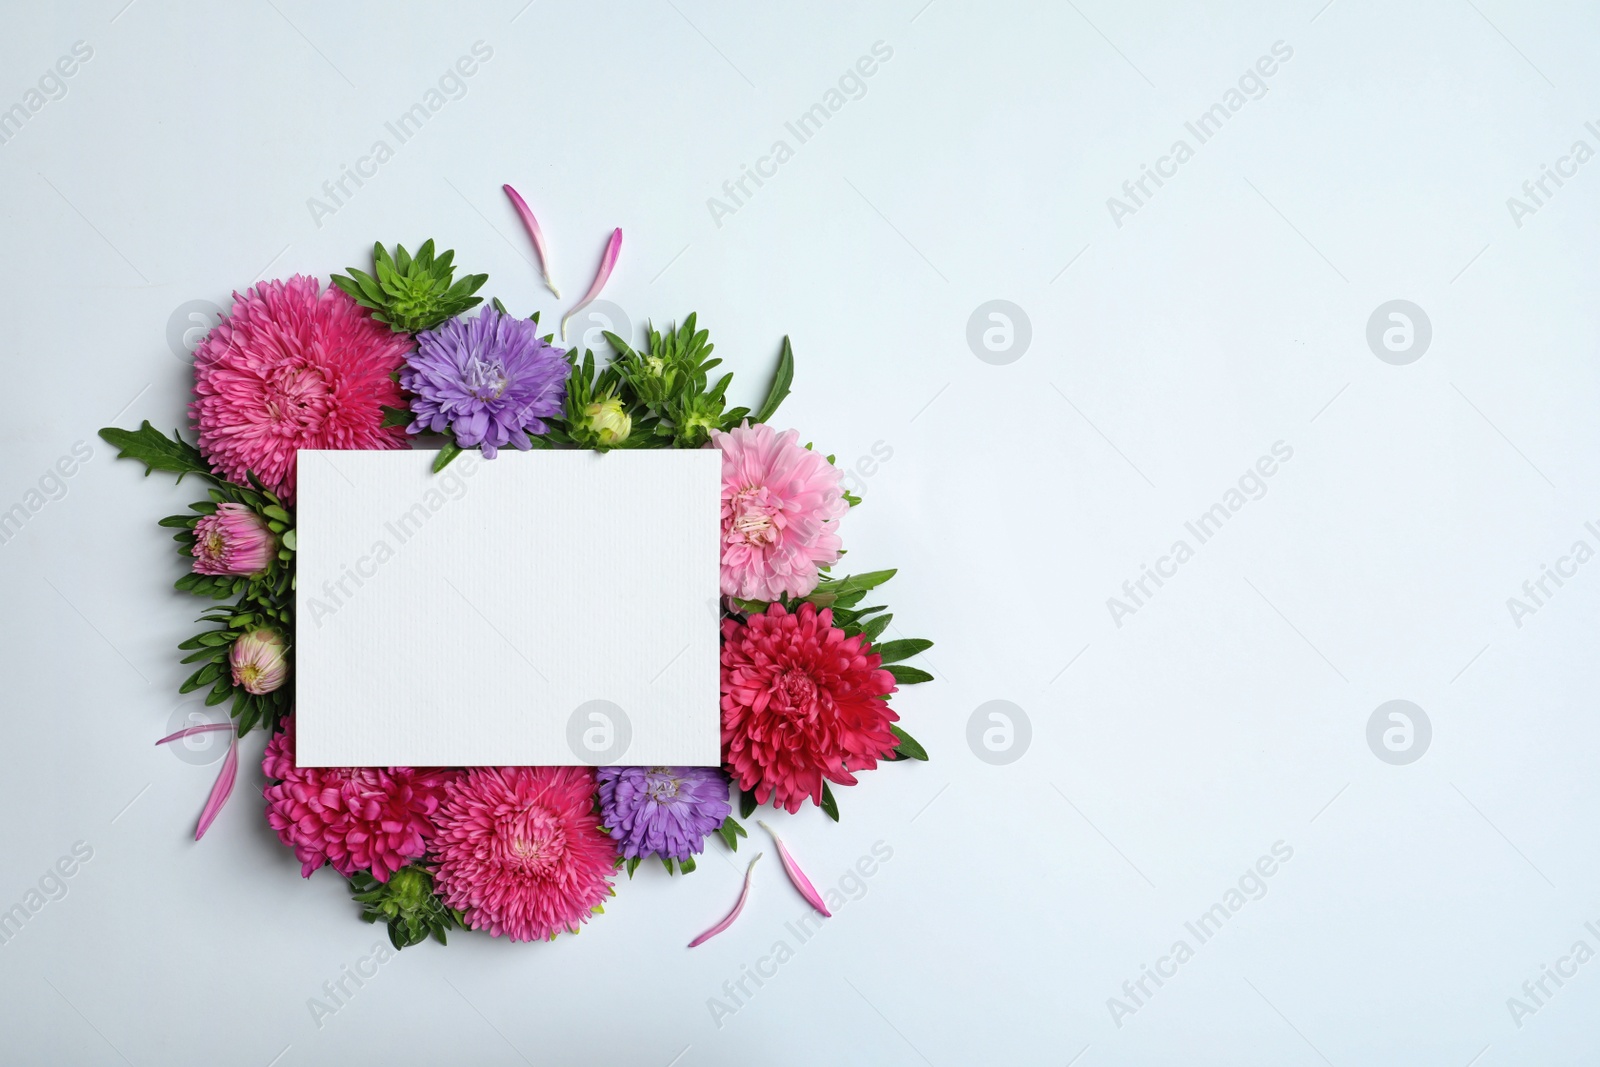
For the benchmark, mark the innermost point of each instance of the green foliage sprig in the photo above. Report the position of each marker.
(260, 601)
(408, 904)
(412, 293)
(662, 396)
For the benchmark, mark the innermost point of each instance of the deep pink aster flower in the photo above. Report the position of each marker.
(294, 368)
(355, 818)
(232, 540)
(520, 851)
(801, 702)
(781, 504)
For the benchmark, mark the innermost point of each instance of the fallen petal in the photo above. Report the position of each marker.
(607, 262)
(221, 790)
(537, 234)
(190, 731)
(796, 875)
(737, 908)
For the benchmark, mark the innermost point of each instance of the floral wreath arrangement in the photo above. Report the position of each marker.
(376, 359)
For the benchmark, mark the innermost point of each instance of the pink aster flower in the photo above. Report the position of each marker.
(259, 661)
(355, 818)
(520, 851)
(781, 504)
(232, 540)
(294, 368)
(801, 702)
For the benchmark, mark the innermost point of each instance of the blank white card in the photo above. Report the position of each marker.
(547, 607)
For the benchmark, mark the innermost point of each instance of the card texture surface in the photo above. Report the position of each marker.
(546, 607)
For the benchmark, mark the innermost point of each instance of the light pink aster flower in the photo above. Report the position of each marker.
(781, 504)
(232, 540)
(290, 368)
(355, 818)
(259, 661)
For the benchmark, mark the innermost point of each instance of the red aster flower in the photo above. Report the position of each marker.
(801, 702)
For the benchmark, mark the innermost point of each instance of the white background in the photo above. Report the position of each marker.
(1167, 354)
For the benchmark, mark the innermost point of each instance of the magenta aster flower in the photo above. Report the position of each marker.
(233, 540)
(781, 504)
(520, 850)
(354, 818)
(490, 380)
(290, 368)
(662, 811)
(259, 661)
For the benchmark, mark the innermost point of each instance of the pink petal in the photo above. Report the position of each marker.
(537, 234)
(222, 790)
(737, 908)
(796, 875)
(607, 262)
(190, 731)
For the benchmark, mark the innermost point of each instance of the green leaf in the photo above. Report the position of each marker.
(873, 627)
(394, 416)
(747, 804)
(633, 865)
(204, 676)
(289, 542)
(830, 806)
(895, 651)
(855, 583)
(750, 607)
(686, 865)
(782, 379)
(731, 831)
(157, 451)
(909, 746)
(449, 452)
(908, 675)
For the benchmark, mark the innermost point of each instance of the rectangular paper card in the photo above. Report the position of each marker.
(543, 607)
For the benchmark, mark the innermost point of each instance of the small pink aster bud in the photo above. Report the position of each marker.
(233, 540)
(259, 661)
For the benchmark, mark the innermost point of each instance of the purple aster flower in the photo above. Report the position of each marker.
(490, 380)
(663, 811)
